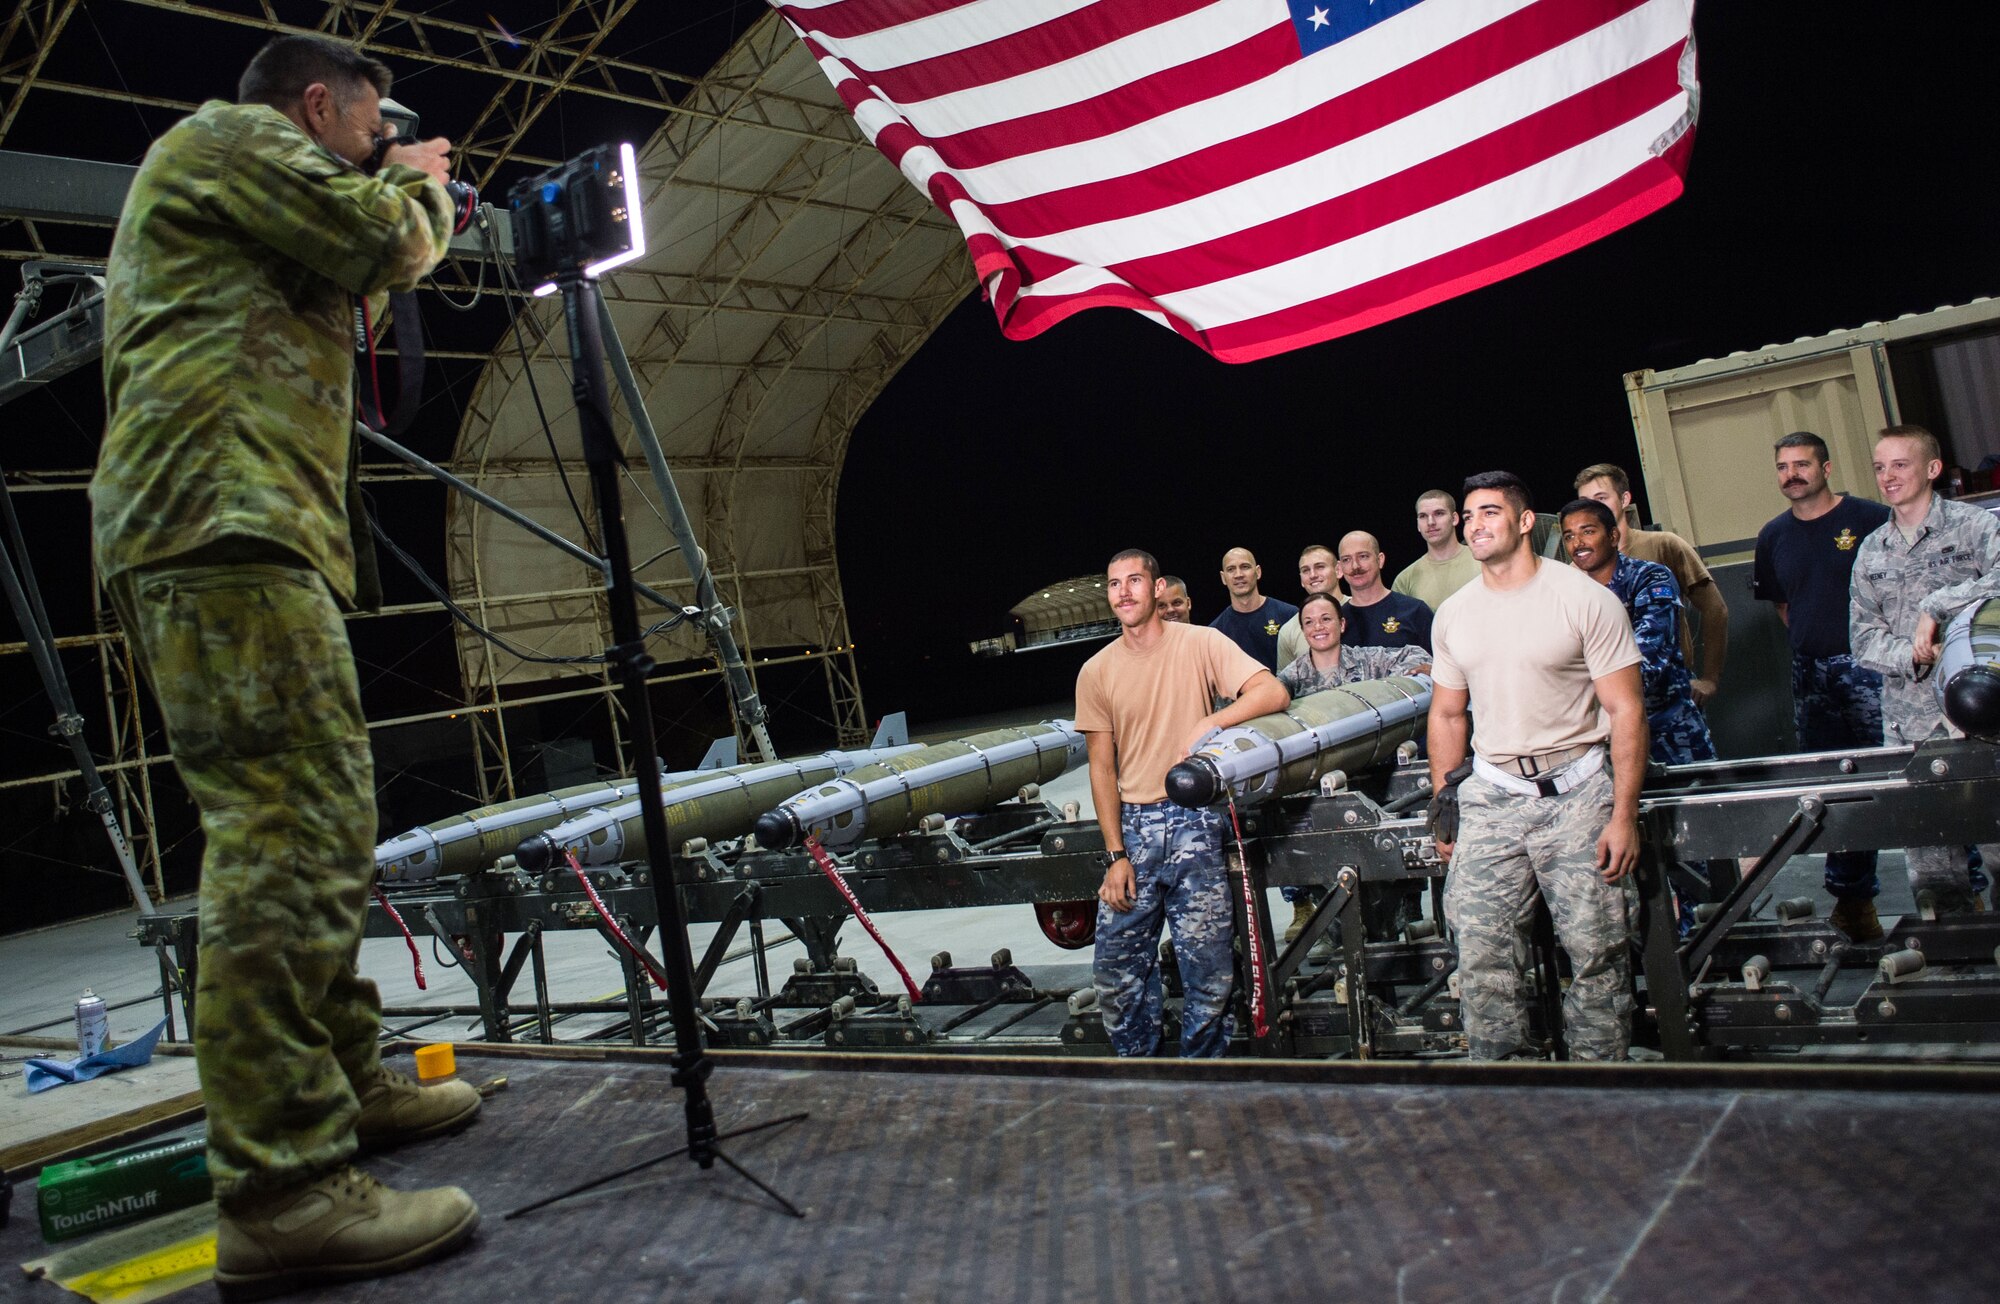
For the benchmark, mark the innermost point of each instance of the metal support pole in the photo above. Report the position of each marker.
(506, 513)
(715, 616)
(25, 596)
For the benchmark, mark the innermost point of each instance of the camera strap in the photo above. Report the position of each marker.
(408, 327)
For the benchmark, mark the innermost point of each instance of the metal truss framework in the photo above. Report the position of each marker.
(837, 325)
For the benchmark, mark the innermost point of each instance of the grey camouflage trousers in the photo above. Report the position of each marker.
(256, 684)
(1944, 872)
(1509, 847)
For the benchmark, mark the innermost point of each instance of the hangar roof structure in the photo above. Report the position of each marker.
(791, 271)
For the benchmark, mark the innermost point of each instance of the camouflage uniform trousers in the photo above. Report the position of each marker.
(256, 684)
(1508, 847)
(1837, 704)
(1945, 872)
(1179, 876)
(1681, 737)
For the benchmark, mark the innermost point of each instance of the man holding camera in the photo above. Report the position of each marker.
(227, 528)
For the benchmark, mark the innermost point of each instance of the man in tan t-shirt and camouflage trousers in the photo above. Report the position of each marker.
(1141, 704)
(1536, 649)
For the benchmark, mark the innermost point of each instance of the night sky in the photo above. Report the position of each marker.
(1843, 170)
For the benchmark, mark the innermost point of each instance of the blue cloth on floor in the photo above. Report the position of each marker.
(45, 1073)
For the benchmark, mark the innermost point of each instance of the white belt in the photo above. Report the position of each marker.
(1553, 784)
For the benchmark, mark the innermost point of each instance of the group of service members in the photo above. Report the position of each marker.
(1579, 674)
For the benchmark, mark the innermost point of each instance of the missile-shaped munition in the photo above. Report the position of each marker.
(1353, 727)
(715, 805)
(1968, 670)
(467, 843)
(967, 774)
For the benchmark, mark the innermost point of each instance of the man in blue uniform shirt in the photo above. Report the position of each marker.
(1378, 616)
(1652, 598)
(1805, 565)
(1251, 620)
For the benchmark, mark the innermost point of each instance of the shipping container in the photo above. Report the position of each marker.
(1706, 431)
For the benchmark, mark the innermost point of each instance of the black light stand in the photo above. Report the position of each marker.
(630, 665)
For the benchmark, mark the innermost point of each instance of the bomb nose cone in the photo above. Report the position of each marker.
(1194, 783)
(535, 854)
(777, 829)
(1972, 700)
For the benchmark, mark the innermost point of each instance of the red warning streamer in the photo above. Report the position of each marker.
(611, 922)
(832, 871)
(416, 960)
(1260, 1025)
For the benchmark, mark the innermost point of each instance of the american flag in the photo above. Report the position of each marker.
(1261, 175)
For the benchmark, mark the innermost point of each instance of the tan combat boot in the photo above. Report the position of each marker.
(1302, 913)
(396, 1110)
(1856, 917)
(345, 1227)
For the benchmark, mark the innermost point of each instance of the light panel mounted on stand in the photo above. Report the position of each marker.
(582, 217)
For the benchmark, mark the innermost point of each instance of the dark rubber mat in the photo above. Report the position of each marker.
(1058, 1182)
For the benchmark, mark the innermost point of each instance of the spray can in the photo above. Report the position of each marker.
(91, 1024)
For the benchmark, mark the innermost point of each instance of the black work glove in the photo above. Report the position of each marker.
(1443, 809)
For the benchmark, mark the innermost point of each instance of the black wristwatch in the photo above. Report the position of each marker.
(1109, 858)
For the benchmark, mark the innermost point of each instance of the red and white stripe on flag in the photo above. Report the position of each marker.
(1265, 174)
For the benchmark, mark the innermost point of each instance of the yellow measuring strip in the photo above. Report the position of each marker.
(152, 1275)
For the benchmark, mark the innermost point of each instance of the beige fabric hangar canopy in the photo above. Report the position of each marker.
(790, 271)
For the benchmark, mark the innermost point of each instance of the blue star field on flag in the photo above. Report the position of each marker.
(1321, 23)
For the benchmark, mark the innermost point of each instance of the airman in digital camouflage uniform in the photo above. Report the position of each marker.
(1141, 704)
(1932, 559)
(1544, 656)
(221, 514)
(1327, 662)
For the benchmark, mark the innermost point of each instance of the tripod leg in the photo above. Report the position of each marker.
(644, 1164)
(757, 1182)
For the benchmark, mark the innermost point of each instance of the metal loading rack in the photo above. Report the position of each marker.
(1752, 977)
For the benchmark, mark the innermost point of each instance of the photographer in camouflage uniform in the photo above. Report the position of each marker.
(226, 529)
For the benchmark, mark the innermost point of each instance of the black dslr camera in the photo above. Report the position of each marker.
(402, 124)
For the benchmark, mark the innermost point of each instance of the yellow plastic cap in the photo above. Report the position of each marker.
(435, 1061)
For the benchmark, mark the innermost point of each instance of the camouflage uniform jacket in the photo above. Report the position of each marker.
(229, 337)
(1652, 598)
(1356, 664)
(1953, 562)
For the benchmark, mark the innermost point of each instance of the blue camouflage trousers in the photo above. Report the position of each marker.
(255, 679)
(1179, 879)
(1509, 848)
(1680, 735)
(1837, 704)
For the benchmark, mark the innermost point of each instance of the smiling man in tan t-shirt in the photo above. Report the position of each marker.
(1546, 657)
(1141, 704)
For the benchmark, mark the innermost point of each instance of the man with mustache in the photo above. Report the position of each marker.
(1804, 563)
(1141, 704)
